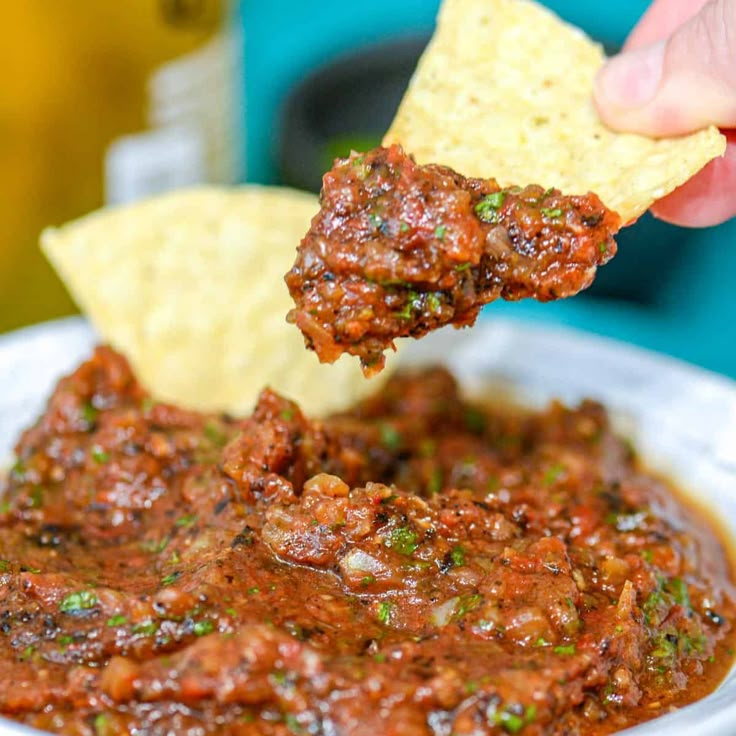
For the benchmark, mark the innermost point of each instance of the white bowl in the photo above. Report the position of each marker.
(682, 420)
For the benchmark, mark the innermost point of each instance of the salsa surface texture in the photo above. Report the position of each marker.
(418, 566)
(398, 250)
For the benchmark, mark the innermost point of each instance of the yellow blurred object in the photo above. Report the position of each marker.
(104, 102)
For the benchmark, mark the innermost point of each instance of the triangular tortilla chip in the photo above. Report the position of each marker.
(189, 286)
(504, 90)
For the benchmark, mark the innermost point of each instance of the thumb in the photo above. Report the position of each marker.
(677, 85)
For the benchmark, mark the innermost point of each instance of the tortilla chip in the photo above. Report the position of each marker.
(189, 286)
(504, 90)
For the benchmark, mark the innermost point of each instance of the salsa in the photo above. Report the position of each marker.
(398, 250)
(421, 565)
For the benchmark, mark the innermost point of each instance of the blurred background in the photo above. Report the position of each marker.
(104, 103)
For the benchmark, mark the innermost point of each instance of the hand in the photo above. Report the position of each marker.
(676, 74)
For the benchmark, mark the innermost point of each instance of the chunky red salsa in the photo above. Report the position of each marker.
(418, 566)
(399, 249)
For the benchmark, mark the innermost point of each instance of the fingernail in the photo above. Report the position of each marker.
(631, 79)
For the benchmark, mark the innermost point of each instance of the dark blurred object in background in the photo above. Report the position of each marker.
(104, 102)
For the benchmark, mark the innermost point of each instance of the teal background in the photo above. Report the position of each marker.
(688, 311)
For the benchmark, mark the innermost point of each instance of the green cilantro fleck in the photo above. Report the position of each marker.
(65, 640)
(367, 580)
(27, 653)
(413, 302)
(213, 432)
(117, 620)
(102, 724)
(553, 473)
(603, 247)
(647, 555)
(18, 468)
(434, 303)
(384, 611)
(287, 414)
(4, 507)
(231, 612)
(82, 600)
(435, 482)
(89, 413)
(170, 579)
(375, 220)
(390, 436)
(379, 657)
(253, 590)
(403, 227)
(677, 588)
(553, 212)
(439, 232)
(565, 649)
(458, 556)
(201, 628)
(466, 604)
(487, 209)
(146, 628)
(292, 723)
(513, 718)
(403, 540)
(99, 455)
(187, 520)
(35, 497)
(4, 565)
(463, 266)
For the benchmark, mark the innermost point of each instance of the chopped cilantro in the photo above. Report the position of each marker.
(254, 590)
(367, 580)
(513, 718)
(551, 211)
(487, 209)
(118, 620)
(82, 600)
(4, 565)
(35, 497)
(89, 413)
(553, 473)
(403, 540)
(565, 649)
(384, 611)
(463, 266)
(146, 628)
(603, 247)
(439, 232)
(375, 220)
(466, 604)
(458, 556)
(435, 482)
(403, 227)
(27, 653)
(4, 507)
(201, 628)
(214, 434)
(170, 579)
(413, 302)
(434, 303)
(185, 521)
(677, 588)
(99, 455)
(65, 640)
(379, 657)
(390, 436)
(287, 414)
(102, 724)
